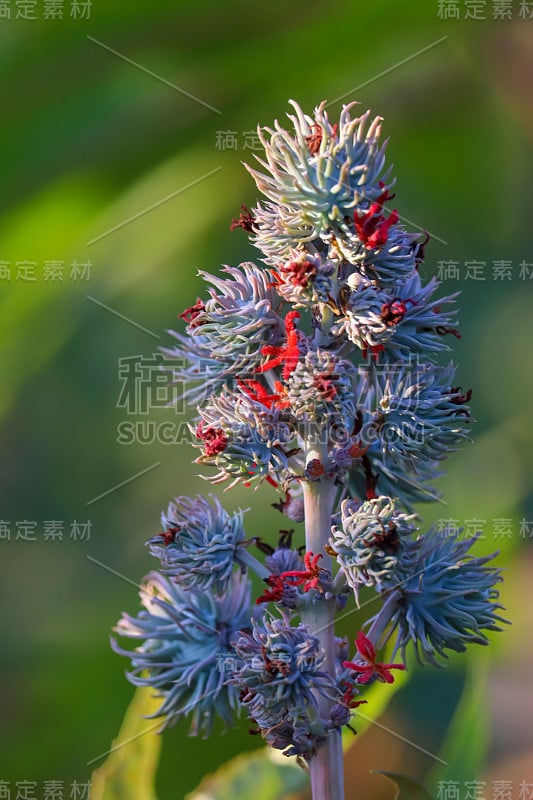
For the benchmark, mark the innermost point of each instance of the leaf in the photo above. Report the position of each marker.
(407, 788)
(265, 774)
(129, 771)
(466, 743)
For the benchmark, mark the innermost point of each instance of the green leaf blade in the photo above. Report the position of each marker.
(407, 788)
(129, 771)
(264, 775)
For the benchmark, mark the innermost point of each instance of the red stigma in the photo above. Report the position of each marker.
(374, 350)
(442, 331)
(372, 227)
(275, 666)
(308, 578)
(214, 439)
(392, 313)
(245, 220)
(257, 392)
(314, 140)
(388, 539)
(190, 314)
(459, 398)
(168, 536)
(356, 450)
(300, 273)
(275, 593)
(325, 387)
(348, 698)
(371, 479)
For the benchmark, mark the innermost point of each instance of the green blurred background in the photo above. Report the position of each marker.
(89, 141)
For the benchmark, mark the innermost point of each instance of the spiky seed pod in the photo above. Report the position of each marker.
(362, 318)
(280, 669)
(314, 190)
(448, 599)
(369, 543)
(199, 544)
(184, 648)
(319, 392)
(253, 439)
(225, 333)
(306, 279)
(294, 736)
(419, 322)
(413, 419)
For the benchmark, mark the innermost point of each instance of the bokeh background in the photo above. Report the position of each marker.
(116, 177)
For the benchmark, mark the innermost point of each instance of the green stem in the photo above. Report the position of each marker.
(247, 559)
(379, 626)
(326, 766)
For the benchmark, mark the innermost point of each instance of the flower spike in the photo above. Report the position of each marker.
(318, 374)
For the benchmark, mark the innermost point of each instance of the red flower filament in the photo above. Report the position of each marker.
(372, 668)
(348, 697)
(308, 579)
(257, 392)
(288, 354)
(374, 350)
(325, 388)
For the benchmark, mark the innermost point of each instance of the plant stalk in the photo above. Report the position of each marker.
(326, 767)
